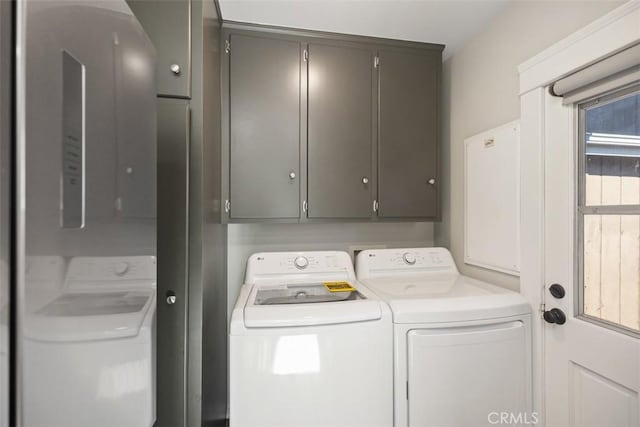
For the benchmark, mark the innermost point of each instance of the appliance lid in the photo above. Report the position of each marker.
(301, 304)
(446, 298)
(298, 293)
(84, 316)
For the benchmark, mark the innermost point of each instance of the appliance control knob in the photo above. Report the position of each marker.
(409, 258)
(121, 268)
(301, 262)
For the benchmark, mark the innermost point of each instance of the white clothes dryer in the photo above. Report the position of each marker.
(303, 356)
(462, 347)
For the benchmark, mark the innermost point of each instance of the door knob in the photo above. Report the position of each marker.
(292, 175)
(171, 297)
(175, 69)
(555, 315)
(432, 181)
(557, 291)
(365, 180)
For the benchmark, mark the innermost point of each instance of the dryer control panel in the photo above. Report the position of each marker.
(283, 266)
(385, 262)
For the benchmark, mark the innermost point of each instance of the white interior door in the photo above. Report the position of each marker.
(592, 362)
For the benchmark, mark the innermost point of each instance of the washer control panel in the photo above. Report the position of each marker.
(371, 263)
(312, 263)
(87, 272)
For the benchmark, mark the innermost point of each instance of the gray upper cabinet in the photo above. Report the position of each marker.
(409, 84)
(328, 127)
(264, 127)
(340, 131)
(168, 25)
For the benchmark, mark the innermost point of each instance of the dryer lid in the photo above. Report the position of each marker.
(446, 298)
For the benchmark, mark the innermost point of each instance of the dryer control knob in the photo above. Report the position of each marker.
(409, 258)
(121, 268)
(301, 262)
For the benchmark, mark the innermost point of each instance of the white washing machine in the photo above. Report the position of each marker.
(462, 347)
(90, 345)
(302, 356)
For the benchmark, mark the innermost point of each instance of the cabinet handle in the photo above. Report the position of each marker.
(432, 181)
(292, 175)
(171, 298)
(175, 69)
(365, 180)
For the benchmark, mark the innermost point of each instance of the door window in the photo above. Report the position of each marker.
(609, 209)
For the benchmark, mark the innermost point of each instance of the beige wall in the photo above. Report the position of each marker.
(481, 92)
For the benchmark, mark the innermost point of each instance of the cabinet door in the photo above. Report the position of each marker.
(173, 161)
(264, 93)
(168, 25)
(340, 129)
(408, 134)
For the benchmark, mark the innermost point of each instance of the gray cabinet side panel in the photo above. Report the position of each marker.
(168, 25)
(6, 203)
(264, 86)
(340, 141)
(213, 234)
(173, 150)
(408, 133)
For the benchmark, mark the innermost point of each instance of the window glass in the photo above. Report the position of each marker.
(611, 279)
(612, 150)
(609, 209)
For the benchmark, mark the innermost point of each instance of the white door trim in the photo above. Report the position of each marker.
(609, 34)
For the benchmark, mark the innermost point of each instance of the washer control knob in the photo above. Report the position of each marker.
(409, 258)
(121, 268)
(301, 262)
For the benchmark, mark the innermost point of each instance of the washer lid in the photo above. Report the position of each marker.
(299, 293)
(445, 298)
(86, 316)
(301, 304)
